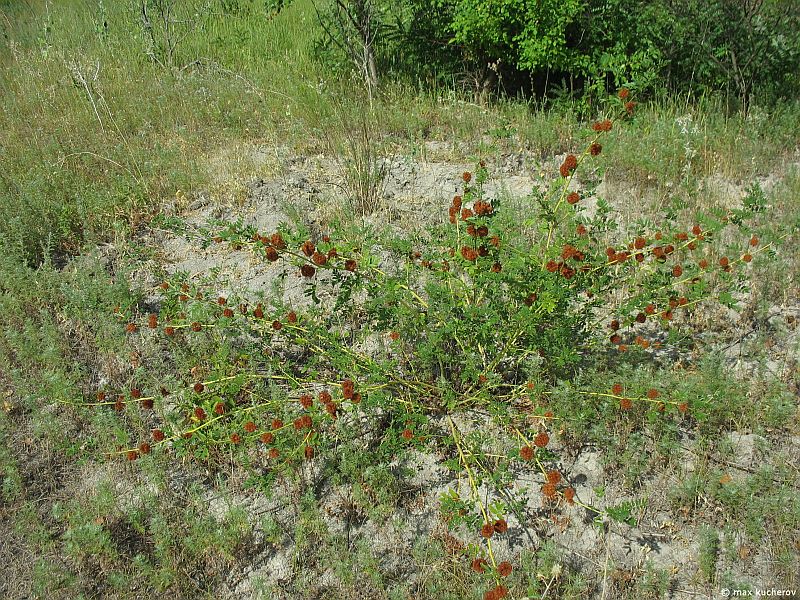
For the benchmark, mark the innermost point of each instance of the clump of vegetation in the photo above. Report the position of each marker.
(476, 322)
(501, 337)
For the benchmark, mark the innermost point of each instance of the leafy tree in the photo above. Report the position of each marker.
(594, 45)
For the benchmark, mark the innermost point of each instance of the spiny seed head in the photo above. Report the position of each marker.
(571, 161)
(136, 393)
(595, 149)
(164, 285)
(650, 309)
(131, 328)
(319, 259)
(573, 198)
(623, 93)
(199, 387)
(249, 427)
(222, 300)
(487, 530)
(580, 229)
(407, 434)
(144, 448)
(356, 399)
(497, 593)
(307, 271)
(309, 452)
(541, 440)
(639, 243)
(101, 396)
(158, 435)
(747, 257)
(553, 477)
(500, 526)
(277, 325)
(227, 313)
(469, 253)
(456, 202)
(306, 401)
(308, 248)
(277, 241)
(325, 397)
(569, 495)
(348, 389)
(754, 241)
(723, 262)
(683, 407)
(197, 326)
(235, 438)
(267, 438)
(200, 414)
(277, 423)
(271, 254)
(258, 313)
(652, 393)
(274, 453)
(291, 317)
(152, 321)
(602, 125)
(641, 317)
(478, 565)
(147, 403)
(132, 455)
(219, 408)
(567, 272)
(677, 271)
(466, 176)
(625, 404)
(616, 389)
(526, 453)
(549, 490)
(350, 265)
(504, 569)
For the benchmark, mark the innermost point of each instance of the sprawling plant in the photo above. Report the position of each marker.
(465, 342)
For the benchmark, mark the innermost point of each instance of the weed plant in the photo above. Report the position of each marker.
(465, 345)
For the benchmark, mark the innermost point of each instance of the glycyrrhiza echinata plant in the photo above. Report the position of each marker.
(455, 343)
